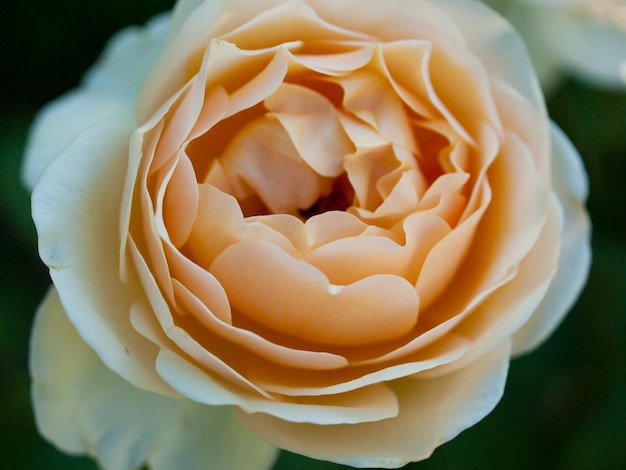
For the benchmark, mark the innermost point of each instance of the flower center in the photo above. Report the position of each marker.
(340, 198)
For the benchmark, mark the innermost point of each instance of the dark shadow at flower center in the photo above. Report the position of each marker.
(340, 198)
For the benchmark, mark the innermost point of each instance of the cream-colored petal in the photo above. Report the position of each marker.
(570, 185)
(85, 408)
(128, 59)
(62, 120)
(108, 93)
(83, 188)
(368, 404)
(432, 411)
(292, 297)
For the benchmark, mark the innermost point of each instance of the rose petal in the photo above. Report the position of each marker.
(78, 189)
(299, 382)
(62, 120)
(570, 184)
(108, 94)
(367, 404)
(352, 258)
(500, 49)
(263, 160)
(432, 411)
(220, 224)
(180, 204)
(512, 304)
(256, 344)
(289, 296)
(71, 384)
(313, 126)
(299, 22)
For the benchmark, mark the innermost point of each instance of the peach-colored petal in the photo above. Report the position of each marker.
(407, 19)
(333, 225)
(367, 404)
(338, 63)
(200, 282)
(296, 382)
(522, 118)
(183, 339)
(432, 411)
(180, 204)
(254, 343)
(371, 99)
(312, 125)
(299, 22)
(220, 224)
(352, 258)
(498, 47)
(292, 297)
(406, 67)
(263, 160)
(511, 305)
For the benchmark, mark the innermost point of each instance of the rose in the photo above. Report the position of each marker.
(584, 38)
(339, 219)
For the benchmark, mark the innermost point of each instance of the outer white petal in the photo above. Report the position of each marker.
(85, 408)
(432, 411)
(108, 94)
(570, 185)
(76, 210)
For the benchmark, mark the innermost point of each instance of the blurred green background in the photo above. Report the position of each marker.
(564, 406)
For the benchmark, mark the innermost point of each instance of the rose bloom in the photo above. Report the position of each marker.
(314, 225)
(584, 38)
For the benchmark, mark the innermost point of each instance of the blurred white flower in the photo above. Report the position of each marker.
(585, 38)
